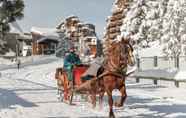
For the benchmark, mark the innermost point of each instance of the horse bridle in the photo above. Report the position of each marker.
(126, 51)
(130, 55)
(113, 72)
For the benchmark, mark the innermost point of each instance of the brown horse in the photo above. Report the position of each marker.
(111, 75)
(114, 71)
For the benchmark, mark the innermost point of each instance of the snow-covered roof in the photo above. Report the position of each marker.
(25, 37)
(53, 38)
(45, 31)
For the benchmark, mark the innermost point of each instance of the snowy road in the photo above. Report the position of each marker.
(31, 93)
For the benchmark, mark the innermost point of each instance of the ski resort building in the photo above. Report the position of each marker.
(69, 32)
(81, 35)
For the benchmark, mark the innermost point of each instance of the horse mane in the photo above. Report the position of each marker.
(112, 51)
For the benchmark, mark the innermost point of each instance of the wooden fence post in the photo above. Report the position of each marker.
(177, 66)
(155, 65)
(177, 62)
(138, 66)
(155, 81)
(137, 79)
(155, 61)
(138, 63)
(176, 83)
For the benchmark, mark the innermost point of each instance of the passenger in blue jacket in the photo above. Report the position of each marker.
(69, 61)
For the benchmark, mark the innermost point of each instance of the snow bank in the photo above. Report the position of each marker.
(5, 62)
(27, 61)
(170, 74)
(154, 49)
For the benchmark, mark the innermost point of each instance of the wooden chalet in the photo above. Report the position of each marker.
(44, 41)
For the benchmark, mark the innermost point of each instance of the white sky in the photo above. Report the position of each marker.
(48, 13)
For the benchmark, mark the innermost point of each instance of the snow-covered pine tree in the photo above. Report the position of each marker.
(133, 20)
(143, 21)
(174, 28)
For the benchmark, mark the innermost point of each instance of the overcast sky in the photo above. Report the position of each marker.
(49, 13)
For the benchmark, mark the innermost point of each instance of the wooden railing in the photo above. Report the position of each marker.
(155, 63)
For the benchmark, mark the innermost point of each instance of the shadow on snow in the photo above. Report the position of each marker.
(8, 99)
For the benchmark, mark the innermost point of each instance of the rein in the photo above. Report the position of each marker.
(109, 73)
(115, 74)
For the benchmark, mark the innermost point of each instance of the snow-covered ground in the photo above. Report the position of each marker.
(25, 61)
(163, 73)
(31, 93)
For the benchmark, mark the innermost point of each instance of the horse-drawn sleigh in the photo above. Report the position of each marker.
(110, 76)
(66, 87)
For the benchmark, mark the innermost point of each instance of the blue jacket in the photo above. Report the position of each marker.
(70, 60)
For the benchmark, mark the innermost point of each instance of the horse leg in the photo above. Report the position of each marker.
(66, 89)
(61, 95)
(59, 90)
(123, 97)
(65, 93)
(71, 98)
(110, 100)
(101, 95)
(93, 99)
(58, 87)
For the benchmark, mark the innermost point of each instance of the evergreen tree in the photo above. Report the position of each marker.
(151, 20)
(174, 28)
(10, 11)
(143, 21)
(133, 21)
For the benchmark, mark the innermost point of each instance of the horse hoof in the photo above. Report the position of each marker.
(118, 105)
(112, 116)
